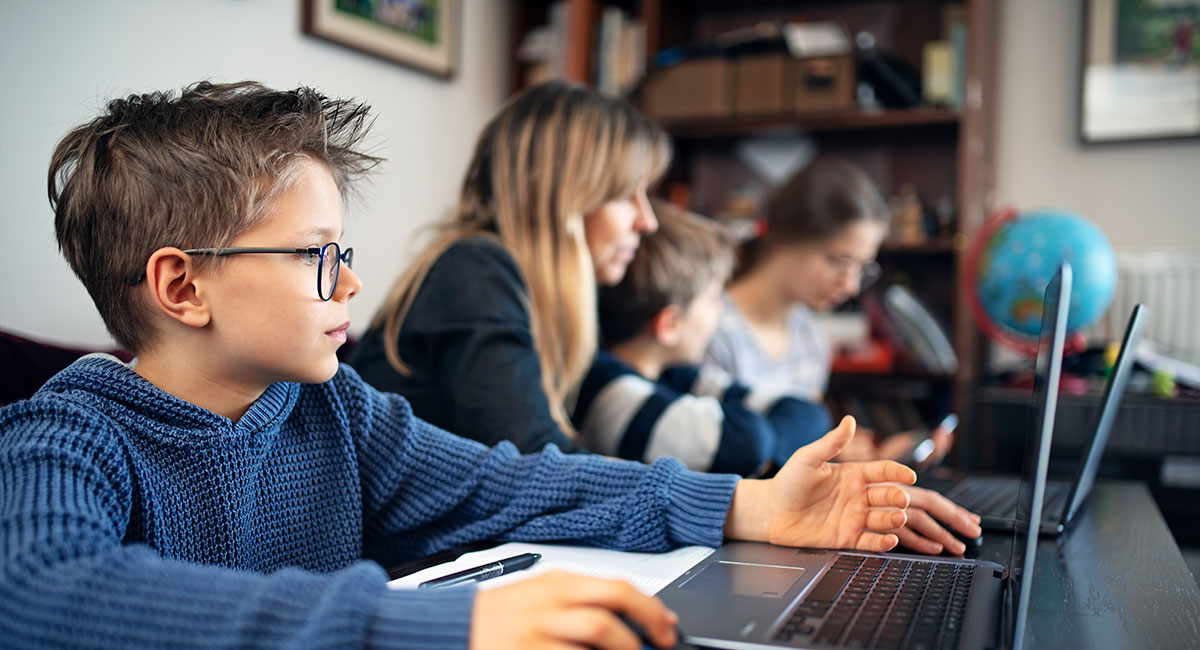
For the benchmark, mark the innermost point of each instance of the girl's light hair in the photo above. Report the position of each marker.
(552, 155)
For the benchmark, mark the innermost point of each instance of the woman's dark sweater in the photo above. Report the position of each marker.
(468, 343)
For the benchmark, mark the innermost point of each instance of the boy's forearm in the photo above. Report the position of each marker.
(130, 597)
(746, 520)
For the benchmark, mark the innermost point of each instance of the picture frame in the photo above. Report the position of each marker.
(420, 34)
(1140, 70)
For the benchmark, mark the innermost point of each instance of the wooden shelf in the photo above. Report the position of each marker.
(827, 122)
(946, 246)
(900, 373)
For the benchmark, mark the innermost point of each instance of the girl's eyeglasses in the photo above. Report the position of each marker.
(868, 272)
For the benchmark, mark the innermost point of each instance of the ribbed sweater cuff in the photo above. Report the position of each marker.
(698, 506)
(425, 619)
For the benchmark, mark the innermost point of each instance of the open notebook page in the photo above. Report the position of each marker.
(649, 572)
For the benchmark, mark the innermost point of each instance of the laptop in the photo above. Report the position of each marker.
(993, 497)
(750, 595)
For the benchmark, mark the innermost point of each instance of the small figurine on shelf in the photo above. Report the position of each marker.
(943, 226)
(742, 212)
(908, 217)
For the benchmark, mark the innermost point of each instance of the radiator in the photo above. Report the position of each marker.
(1168, 282)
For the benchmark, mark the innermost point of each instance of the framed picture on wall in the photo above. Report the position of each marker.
(1140, 76)
(422, 34)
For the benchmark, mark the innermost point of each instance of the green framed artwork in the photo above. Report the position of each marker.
(422, 34)
(1141, 70)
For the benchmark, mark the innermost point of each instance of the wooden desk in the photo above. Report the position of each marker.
(1115, 579)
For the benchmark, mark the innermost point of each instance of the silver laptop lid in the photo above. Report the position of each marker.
(1036, 460)
(1109, 405)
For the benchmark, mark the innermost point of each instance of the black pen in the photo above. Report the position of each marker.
(493, 570)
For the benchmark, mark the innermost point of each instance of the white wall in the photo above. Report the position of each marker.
(1142, 195)
(60, 61)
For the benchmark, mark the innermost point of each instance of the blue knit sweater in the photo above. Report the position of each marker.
(131, 518)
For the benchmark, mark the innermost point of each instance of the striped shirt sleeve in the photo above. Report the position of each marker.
(623, 414)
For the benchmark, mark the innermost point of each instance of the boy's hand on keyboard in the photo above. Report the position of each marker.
(924, 534)
(558, 610)
(813, 502)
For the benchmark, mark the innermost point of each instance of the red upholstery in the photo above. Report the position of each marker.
(28, 364)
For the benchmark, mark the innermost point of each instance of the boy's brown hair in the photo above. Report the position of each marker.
(193, 171)
(671, 267)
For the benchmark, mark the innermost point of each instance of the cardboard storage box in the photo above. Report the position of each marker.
(781, 84)
(764, 84)
(823, 83)
(694, 89)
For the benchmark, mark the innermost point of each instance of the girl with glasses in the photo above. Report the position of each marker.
(817, 249)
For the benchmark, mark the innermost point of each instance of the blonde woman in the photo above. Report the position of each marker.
(491, 328)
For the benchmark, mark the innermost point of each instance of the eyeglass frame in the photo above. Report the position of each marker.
(339, 256)
(868, 272)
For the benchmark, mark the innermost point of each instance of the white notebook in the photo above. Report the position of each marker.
(649, 572)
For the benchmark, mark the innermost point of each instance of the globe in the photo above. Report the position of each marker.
(1012, 260)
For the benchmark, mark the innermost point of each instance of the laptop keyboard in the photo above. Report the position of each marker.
(997, 497)
(868, 602)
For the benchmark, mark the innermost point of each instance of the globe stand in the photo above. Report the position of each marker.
(1069, 382)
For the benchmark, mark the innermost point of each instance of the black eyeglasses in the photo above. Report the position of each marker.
(328, 259)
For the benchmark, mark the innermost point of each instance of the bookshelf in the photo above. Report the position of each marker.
(820, 122)
(944, 152)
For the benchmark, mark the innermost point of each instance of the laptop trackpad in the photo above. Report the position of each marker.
(761, 580)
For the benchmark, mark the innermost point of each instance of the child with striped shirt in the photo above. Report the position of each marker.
(645, 397)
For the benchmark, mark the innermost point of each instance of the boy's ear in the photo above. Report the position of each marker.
(666, 327)
(172, 280)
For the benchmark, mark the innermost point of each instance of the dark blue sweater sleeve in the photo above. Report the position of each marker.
(438, 489)
(69, 580)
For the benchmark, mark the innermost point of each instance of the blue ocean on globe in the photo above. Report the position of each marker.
(1019, 260)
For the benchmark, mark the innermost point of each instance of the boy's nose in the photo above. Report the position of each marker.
(348, 284)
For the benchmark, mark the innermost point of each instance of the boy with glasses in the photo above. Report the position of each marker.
(223, 488)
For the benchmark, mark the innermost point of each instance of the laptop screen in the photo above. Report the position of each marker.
(1036, 458)
(1109, 404)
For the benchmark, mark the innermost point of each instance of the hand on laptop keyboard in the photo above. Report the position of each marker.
(928, 511)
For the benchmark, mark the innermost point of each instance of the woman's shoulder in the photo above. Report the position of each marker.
(474, 253)
(476, 275)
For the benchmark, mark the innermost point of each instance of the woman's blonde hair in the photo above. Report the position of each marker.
(552, 155)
